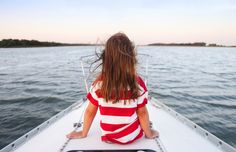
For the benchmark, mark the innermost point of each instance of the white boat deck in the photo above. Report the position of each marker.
(177, 134)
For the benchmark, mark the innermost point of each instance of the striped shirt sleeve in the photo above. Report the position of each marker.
(92, 96)
(143, 98)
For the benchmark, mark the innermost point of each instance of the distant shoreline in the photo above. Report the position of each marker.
(49, 46)
(195, 44)
(16, 43)
(188, 46)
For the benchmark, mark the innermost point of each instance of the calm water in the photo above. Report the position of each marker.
(36, 83)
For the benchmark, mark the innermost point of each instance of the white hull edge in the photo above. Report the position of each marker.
(177, 133)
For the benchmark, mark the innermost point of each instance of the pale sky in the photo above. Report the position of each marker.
(144, 21)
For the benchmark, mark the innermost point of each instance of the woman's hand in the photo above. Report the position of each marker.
(89, 115)
(153, 134)
(76, 135)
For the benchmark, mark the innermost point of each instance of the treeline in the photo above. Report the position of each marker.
(179, 44)
(202, 44)
(6, 43)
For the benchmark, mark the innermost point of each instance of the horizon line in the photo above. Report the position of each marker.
(147, 44)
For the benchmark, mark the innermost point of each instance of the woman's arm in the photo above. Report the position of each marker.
(89, 115)
(143, 117)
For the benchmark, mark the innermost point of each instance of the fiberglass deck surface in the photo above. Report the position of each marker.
(175, 136)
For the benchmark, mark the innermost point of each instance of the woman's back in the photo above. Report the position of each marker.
(119, 121)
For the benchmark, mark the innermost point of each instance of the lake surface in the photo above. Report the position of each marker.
(198, 82)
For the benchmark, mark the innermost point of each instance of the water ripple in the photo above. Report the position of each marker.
(37, 83)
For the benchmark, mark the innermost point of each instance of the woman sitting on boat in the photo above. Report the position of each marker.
(120, 94)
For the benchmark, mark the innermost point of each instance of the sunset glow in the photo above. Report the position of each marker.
(144, 21)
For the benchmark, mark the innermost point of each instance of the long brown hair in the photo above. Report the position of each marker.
(118, 75)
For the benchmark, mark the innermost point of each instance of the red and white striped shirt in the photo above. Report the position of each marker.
(119, 122)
